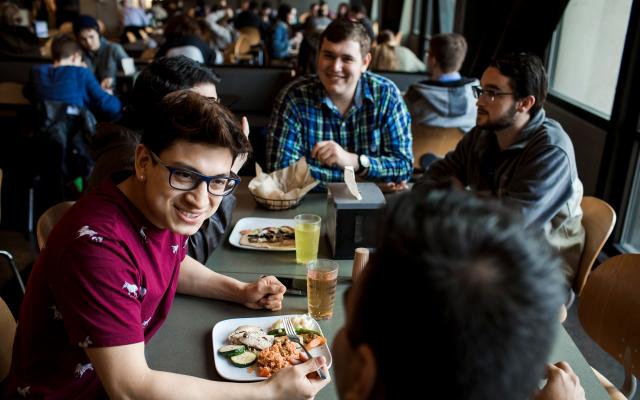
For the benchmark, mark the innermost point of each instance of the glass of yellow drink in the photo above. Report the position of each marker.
(307, 237)
(322, 279)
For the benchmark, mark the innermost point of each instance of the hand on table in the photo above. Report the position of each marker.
(267, 292)
(331, 154)
(562, 384)
(391, 187)
(242, 157)
(293, 383)
(107, 84)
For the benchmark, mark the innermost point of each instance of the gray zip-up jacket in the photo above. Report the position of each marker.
(443, 104)
(536, 175)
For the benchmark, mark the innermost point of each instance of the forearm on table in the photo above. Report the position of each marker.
(124, 373)
(160, 385)
(392, 168)
(197, 280)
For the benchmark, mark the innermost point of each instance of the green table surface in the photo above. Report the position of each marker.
(183, 344)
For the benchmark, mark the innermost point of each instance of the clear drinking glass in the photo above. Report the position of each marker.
(322, 279)
(307, 237)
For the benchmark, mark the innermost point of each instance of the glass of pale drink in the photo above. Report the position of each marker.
(322, 279)
(307, 237)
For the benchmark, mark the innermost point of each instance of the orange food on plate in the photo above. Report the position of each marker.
(315, 342)
(280, 355)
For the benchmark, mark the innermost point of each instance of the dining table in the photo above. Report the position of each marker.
(184, 343)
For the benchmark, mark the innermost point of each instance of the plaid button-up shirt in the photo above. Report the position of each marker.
(377, 125)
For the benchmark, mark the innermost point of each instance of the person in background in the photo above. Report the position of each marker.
(105, 282)
(114, 146)
(222, 31)
(184, 37)
(248, 16)
(104, 58)
(492, 288)
(134, 19)
(446, 98)
(68, 81)
(311, 13)
(343, 10)
(519, 156)
(358, 12)
(391, 56)
(16, 40)
(343, 116)
(267, 18)
(279, 43)
(320, 21)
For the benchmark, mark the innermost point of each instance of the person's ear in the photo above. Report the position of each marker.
(363, 373)
(143, 163)
(526, 103)
(366, 61)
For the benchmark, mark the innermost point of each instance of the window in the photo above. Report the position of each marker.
(631, 231)
(586, 53)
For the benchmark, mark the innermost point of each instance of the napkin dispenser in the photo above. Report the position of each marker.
(352, 223)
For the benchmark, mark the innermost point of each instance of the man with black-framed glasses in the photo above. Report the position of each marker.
(114, 145)
(105, 282)
(518, 155)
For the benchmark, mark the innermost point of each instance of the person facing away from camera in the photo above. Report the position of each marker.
(445, 99)
(488, 292)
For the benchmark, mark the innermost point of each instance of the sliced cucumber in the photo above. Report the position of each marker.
(244, 360)
(231, 350)
(277, 332)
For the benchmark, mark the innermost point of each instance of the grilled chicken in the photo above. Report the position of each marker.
(251, 336)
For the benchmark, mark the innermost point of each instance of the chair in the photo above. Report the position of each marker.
(246, 45)
(598, 220)
(7, 334)
(609, 311)
(432, 139)
(13, 238)
(48, 220)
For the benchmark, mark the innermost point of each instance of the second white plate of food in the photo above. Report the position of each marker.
(222, 330)
(261, 223)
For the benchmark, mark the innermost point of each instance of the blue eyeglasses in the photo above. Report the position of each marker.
(488, 94)
(184, 179)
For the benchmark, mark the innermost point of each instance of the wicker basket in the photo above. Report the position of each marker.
(277, 204)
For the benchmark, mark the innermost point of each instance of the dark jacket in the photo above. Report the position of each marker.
(18, 41)
(536, 176)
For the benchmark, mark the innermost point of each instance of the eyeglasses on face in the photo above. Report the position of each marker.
(184, 179)
(488, 94)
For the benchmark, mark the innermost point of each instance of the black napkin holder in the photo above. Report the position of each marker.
(352, 223)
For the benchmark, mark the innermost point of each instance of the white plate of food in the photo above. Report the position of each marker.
(232, 346)
(271, 234)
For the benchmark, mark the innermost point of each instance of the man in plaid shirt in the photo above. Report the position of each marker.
(343, 116)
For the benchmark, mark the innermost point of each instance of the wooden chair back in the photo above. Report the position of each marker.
(435, 140)
(598, 220)
(609, 311)
(48, 220)
(7, 334)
